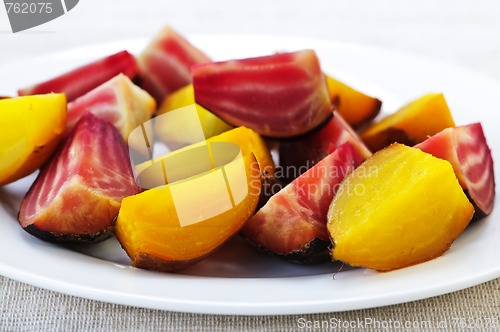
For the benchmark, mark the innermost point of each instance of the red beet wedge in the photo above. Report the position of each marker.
(282, 95)
(165, 64)
(118, 101)
(76, 197)
(465, 147)
(292, 224)
(305, 151)
(83, 79)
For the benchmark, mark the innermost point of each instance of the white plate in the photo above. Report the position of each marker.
(236, 279)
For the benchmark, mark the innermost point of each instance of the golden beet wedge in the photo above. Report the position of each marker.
(355, 107)
(30, 130)
(179, 164)
(249, 141)
(177, 99)
(175, 225)
(411, 124)
(211, 124)
(399, 208)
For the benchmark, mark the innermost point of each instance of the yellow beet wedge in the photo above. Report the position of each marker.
(211, 124)
(30, 129)
(177, 99)
(178, 165)
(411, 124)
(399, 208)
(355, 107)
(249, 142)
(175, 225)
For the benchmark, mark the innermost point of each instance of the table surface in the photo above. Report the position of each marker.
(465, 33)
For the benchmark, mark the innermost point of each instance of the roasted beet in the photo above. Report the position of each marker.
(465, 147)
(292, 224)
(76, 197)
(280, 95)
(399, 208)
(118, 101)
(166, 62)
(304, 152)
(411, 124)
(83, 79)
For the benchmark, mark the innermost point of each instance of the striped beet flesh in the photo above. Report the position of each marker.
(81, 80)
(292, 224)
(165, 64)
(77, 195)
(281, 95)
(118, 101)
(465, 147)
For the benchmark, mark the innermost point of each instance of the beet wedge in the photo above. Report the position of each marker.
(281, 95)
(465, 147)
(165, 64)
(77, 195)
(399, 208)
(300, 154)
(357, 108)
(81, 80)
(118, 101)
(411, 124)
(292, 224)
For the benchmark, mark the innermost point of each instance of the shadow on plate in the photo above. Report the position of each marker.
(235, 259)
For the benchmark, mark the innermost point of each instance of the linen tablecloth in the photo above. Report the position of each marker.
(464, 33)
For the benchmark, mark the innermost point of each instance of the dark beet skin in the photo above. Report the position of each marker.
(281, 95)
(77, 195)
(149, 262)
(81, 80)
(393, 135)
(315, 252)
(478, 213)
(69, 238)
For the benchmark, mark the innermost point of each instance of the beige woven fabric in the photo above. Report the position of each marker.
(27, 308)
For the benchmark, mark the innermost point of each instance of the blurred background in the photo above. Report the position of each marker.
(465, 33)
